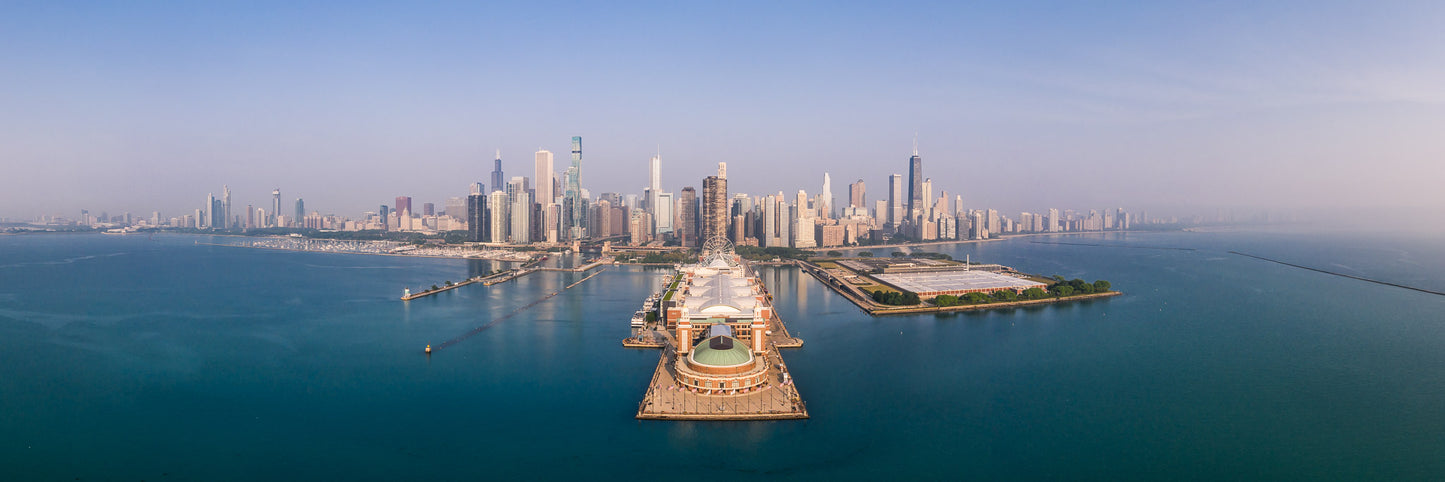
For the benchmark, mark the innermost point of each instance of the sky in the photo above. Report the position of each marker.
(1166, 106)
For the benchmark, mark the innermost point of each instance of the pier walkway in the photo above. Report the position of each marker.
(412, 296)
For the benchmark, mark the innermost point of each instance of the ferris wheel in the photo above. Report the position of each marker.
(718, 247)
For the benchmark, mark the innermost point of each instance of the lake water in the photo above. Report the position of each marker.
(134, 357)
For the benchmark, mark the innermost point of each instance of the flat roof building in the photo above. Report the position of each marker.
(930, 284)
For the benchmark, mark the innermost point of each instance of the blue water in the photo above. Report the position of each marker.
(130, 357)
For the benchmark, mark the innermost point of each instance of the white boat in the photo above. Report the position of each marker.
(639, 319)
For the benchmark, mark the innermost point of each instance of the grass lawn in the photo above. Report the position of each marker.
(871, 288)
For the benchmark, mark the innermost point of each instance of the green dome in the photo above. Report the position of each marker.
(721, 351)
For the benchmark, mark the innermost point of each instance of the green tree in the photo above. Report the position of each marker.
(975, 298)
(898, 254)
(1034, 294)
(866, 254)
(1064, 290)
(945, 300)
(835, 254)
(1005, 295)
(1101, 286)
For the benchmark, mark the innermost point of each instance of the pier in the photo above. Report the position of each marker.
(408, 295)
(865, 302)
(506, 276)
(459, 338)
(666, 400)
(719, 339)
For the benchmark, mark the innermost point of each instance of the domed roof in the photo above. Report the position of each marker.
(721, 351)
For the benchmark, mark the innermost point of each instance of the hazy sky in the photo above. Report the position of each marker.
(140, 106)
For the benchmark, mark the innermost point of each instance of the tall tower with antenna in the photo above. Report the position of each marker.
(915, 182)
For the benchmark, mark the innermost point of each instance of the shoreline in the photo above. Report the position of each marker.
(362, 254)
(971, 241)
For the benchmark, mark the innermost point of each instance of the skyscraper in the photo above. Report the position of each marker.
(402, 206)
(895, 200)
(687, 215)
(654, 185)
(498, 220)
(856, 195)
(275, 207)
(521, 210)
(542, 183)
(207, 213)
(300, 214)
(226, 207)
(578, 213)
(663, 215)
(715, 204)
(478, 227)
(498, 182)
(915, 182)
(826, 210)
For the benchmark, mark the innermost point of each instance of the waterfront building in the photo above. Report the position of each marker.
(478, 225)
(1052, 223)
(956, 282)
(720, 314)
(687, 216)
(830, 235)
(500, 219)
(521, 208)
(576, 228)
(715, 204)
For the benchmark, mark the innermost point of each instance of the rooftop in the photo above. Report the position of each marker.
(940, 281)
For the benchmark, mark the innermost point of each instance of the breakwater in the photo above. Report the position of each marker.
(462, 337)
(1342, 275)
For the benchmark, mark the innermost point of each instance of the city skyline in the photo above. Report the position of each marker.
(1167, 106)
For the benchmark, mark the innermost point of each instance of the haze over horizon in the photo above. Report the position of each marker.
(142, 107)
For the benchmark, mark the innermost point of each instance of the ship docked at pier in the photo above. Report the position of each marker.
(720, 337)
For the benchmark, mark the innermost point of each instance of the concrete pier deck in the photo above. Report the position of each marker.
(440, 289)
(665, 400)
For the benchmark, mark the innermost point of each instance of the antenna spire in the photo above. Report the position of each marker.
(499, 153)
(915, 143)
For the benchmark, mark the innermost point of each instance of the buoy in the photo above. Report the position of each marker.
(428, 349)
